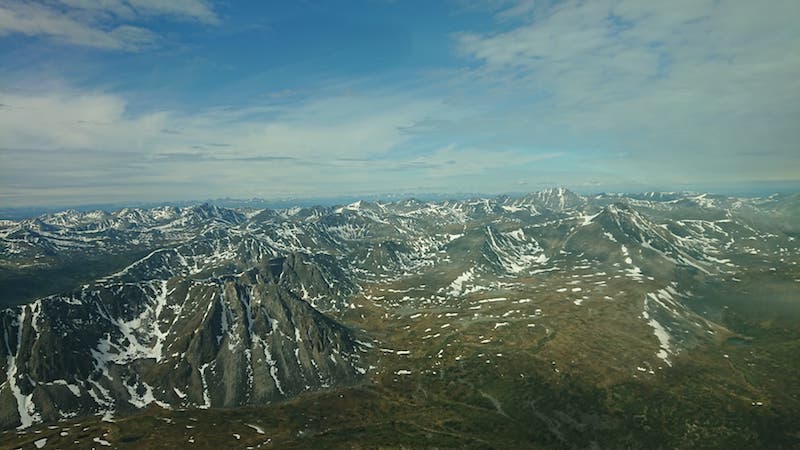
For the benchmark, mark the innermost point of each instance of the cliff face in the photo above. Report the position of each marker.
(229, 340)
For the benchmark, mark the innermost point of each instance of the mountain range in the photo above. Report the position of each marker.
(549, 319)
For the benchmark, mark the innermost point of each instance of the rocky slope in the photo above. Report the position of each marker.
(206, 307)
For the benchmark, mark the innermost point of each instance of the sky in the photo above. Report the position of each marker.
(107, 101)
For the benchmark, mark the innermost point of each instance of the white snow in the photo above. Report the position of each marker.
(76, 391)
(457, 286)
(587, 219)
(258, 429)
(179, 393)
(102, 442)
(514, 251)
(273, 367)
(493, 300)
(25, 406)
(660, 332)
(206, 398)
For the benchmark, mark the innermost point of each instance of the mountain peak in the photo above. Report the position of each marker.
(556, 199)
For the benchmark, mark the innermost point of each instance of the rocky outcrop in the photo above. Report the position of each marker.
(231, 340)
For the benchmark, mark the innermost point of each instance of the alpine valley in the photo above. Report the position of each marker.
(548, 320)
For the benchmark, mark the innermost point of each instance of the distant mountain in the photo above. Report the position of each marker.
(204, 306)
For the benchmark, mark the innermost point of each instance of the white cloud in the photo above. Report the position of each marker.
(332, 127)
(197, 10)
(690, 89)
(70, 145)
(38, 20)
(63, 139)
(573, 93)
(100, 24)
(73, 120)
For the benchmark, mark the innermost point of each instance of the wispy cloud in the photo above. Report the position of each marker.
(106, 24)
(187, 10)
(353, 143)
(680, 86)
(354, 125)
(582, 93)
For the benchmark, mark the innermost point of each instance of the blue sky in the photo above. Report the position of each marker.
(143, 100)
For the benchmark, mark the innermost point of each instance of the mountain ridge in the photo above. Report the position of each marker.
(207, 307)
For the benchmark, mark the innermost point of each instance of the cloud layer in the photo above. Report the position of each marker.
(105, 24)
(596, 94)
(689, 83)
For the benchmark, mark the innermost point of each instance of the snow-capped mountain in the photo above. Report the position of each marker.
(206, 307)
